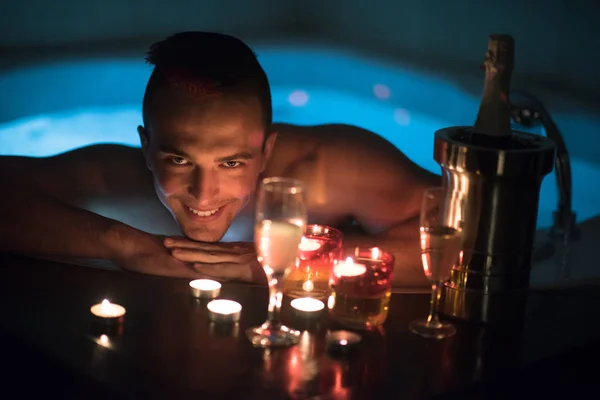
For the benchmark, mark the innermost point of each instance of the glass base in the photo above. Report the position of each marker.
(433, 330)
(268, 335)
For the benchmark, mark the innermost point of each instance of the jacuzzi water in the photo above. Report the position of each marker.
(51, 108)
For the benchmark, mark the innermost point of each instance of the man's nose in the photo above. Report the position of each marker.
(204, 185)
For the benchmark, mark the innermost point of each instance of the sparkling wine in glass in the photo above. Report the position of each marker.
(441, 242)
(279, 225)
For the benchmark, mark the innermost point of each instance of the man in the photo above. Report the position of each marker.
(207, 141)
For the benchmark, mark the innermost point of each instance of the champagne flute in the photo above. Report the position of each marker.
(280, 221)
(441, 242)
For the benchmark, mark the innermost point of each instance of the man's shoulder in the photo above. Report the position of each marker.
(324, 130)
(104, 168)
(332, 141)
(128, 153)
(103, 156)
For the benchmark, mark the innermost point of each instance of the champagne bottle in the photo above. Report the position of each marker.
(492, 125)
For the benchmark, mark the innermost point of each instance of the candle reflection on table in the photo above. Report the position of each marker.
(302, 363)
(310, 371)
(207, 340)
(99, 365)
(104, 341)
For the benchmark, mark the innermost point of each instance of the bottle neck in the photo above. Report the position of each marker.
(493, 117)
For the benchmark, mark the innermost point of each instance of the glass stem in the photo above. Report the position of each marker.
(275, 299)
(436, 294)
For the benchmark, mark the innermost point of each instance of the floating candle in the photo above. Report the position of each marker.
(349, 269)
(205, 288)
(307, 304)
(307, 244)
(222, 310)
(106, 309)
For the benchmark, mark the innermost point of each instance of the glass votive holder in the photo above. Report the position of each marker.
(361, 287)
(319, 250)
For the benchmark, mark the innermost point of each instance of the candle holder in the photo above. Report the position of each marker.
(229, 330)
(361, 288)
(319, 250)
(224, 311)
(205, 288)
(107, 318)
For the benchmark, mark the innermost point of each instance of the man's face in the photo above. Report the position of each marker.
(206, 155)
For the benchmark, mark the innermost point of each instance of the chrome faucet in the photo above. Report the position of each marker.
(528, 111)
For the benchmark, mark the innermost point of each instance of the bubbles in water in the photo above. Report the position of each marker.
(298, 98)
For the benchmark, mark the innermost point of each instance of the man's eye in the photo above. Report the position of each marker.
(232, 164)
(178, 160)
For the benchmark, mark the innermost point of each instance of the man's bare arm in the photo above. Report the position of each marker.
(41, 208)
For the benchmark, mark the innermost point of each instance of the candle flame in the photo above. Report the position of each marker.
(105, 302)
(375, 253)
(349, 260)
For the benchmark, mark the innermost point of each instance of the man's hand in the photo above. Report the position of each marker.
(149, 256)
(225, 261)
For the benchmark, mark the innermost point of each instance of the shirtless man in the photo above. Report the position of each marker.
(207, 141)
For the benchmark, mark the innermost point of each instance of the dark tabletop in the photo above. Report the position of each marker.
(168, 349)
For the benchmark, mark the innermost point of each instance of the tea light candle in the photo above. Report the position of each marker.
(342, 342)
(349, 268)
(307, 305)
(107, 310)
(224, 330)
(205, 288)
(307, 244)
(222, 310)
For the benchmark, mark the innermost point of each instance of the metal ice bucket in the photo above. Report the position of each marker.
(500, 181)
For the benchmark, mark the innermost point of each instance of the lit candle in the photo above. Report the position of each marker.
(205, 288)
(307, 304)
(106, 309)
(307, 244)
(375, 253)
(222, 310)
(349, 269)
(342, 342)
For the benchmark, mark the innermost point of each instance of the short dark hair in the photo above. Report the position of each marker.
(216, 57)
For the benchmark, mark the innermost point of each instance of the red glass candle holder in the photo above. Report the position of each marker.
(361, 287)
(318, 252)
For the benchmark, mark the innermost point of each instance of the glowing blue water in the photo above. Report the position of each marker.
(57, 107)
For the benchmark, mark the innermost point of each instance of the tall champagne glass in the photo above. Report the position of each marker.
(280, 221)
(441, 242)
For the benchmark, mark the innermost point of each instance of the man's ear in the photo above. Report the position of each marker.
(268, 148)
(145, 141)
